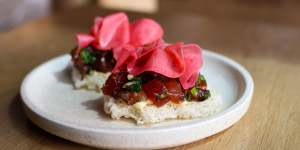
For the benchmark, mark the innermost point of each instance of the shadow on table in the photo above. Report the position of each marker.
(40, 137)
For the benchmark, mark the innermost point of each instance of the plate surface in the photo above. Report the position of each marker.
(52, 103)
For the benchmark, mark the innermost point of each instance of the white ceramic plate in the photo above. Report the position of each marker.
(51, 102)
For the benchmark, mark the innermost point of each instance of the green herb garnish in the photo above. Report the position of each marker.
(87, 57)
(199, 92)
(194, 91)
(204, 94)
(201, 77)
(201, 82)
(188, 97)
(134, 84)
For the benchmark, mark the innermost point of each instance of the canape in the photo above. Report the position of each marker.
(96, 53)
(158, 82)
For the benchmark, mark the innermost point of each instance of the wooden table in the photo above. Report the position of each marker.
(268, 46)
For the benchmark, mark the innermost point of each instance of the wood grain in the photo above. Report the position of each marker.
(270, 50)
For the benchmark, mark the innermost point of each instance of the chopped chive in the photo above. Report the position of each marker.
(194, 91)
(207, 94)
(202, 77)
(134, 85)
(87, 57)
(188, 97)
(201, 82)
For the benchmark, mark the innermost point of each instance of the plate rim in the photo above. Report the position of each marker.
(246, 96)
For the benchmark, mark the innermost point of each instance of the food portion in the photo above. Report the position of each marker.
(141, 76)
(92, 81)
(144, 112)
(96, 53)
(156, 88)
(93, 56)
(90, 59)
(157, 82)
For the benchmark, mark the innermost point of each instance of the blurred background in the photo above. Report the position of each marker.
(16, 12)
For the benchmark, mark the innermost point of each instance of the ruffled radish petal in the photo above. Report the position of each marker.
(117, 52)
(84, 40)
(143, 50)
(168, 62)
(145, 31)
(97, 25)
(193, 61)
(107, 32)
(126, 58)
(114, 32)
